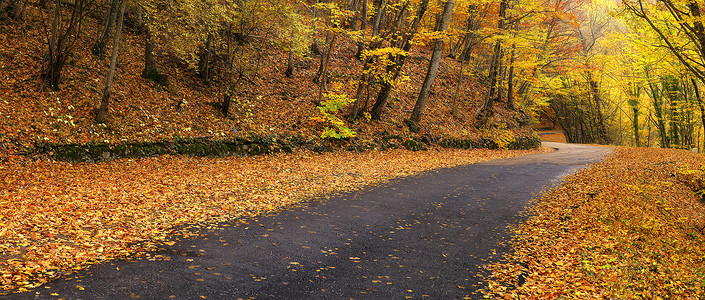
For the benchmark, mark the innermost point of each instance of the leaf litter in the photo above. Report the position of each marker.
(59, 217)
(630, 227)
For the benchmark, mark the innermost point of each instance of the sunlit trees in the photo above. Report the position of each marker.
(438, 44)
(671, 46)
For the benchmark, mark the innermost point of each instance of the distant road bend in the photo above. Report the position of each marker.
(423, 237)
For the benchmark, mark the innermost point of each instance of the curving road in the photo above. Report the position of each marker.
(417, 237)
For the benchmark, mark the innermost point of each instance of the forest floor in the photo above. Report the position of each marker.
(629, 227)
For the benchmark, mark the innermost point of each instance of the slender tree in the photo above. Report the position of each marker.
(394, 69)
(107, 90)
(483, 113)
(108, 25)
(433, 66)
(65, 35)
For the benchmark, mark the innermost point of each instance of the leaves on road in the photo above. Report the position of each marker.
(60, 217)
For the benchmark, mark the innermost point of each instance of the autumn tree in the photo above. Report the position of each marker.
(218, 38)
(443, 22)
(470, 39)
(384, 51)
(677, 27)
(402, 35)
(485, 111)
(107, 90)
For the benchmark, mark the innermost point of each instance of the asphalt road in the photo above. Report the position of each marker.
(422, 237)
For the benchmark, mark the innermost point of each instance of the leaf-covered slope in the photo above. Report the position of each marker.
(631, 227)
(141, 110)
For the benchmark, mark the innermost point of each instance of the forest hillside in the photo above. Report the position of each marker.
(235, 84)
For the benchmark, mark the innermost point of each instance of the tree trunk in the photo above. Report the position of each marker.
(701, 103)
(656, 96)
(323, 66)
(353, 5)
(290, 64)
(483, 114)
(595, 95)
(364, 82)
(510, 80)
(469, 44)
(99, 46)
(105, 101)
(382, 98)
(225, 107)
(433, 66)
(670, 87)
(204, 61)
(395, 69)
(454, 108)
(53, 71)
(315, 47)
(365, 76)
(363, 26)
(633, 102)
(150, 65)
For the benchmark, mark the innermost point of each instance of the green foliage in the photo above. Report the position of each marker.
(334, 102)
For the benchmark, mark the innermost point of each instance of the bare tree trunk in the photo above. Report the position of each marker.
(469, 44)
(353, 5)
(365, 76)
(483, 113)
(204, 61)
(323, 66)
(62, 42)
(150, 65)
(290, 64)
(634, 90)
(363, 26)
(510, 80)
(52, 56)
(433, 66)
(701, 105)
(454, 107)
(105, 101)
(657, 96)
(363, 83)
(322, 75)
(315, 47)
(52, 71)
(99, 46)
